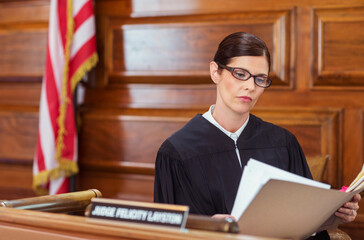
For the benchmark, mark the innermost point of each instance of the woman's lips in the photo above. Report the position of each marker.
(245, 99)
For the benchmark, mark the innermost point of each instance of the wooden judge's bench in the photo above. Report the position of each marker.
(25, 224)
(35, 218)
(44, 217)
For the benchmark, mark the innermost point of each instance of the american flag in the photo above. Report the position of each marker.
(71, 52)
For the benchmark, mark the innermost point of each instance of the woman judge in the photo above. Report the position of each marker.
(201, 164)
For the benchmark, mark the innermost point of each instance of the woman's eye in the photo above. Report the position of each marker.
(260, 80)
(242, 75)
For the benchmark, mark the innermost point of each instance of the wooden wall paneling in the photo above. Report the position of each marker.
(127, 186)
(303, 64)
(24, 11)
(20, 50)
(23, 40)
(353, 144)
(143, 8)
(119, 161)
(152, 96)
(178, 50)
(18, 132)
(102, 25)
(201, 96)
(125, 140)
(23, 35)
(339, 48)
(317, 130)
(15, 181)
(353, 162)
(18, 93)
(355, 229)
(109, 8)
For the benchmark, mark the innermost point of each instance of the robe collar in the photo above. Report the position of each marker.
(233, 135)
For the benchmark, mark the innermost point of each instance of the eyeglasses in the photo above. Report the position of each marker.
(243, 74)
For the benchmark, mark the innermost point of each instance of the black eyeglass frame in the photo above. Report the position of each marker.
(232, 69)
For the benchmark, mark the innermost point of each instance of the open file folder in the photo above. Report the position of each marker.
(286, 209)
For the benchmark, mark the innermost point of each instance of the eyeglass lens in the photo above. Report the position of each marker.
(242, 74)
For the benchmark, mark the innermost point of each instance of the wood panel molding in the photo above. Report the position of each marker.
(184, 96)
(142, 136)
(177, 50)
(18, 93)
(153, 96)
(24, 11)
(338, 48)
(15, 181)
(18, 133)
(20, 51)
(127, 186)
(23, 40)
(143, 8)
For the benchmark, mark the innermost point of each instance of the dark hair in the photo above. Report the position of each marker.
(240, 44)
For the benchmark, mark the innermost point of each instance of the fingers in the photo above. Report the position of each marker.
(346, 215)
(351, 206)
(356, 198)
(224, 216)
(348, 212)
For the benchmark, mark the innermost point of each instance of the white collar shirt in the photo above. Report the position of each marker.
(234, 136)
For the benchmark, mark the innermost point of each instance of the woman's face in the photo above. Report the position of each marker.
(236, 96)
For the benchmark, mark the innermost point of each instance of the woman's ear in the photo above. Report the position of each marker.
(214, 72)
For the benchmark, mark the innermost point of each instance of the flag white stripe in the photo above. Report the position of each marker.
(46, 133)
(35, 165)
(83, 34)
(55, 184)
(77, 5)
(55, 47)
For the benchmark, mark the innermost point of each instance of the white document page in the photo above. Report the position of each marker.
(255, 175)
(358, 181)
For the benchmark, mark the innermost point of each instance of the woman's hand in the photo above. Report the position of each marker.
(223, 216)
(347, 213)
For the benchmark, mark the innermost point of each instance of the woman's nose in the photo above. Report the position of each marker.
(249, 84)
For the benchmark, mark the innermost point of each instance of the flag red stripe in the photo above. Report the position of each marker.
(62, 20)
(69, 138)
(51, 94)
(64, 186)
(84, 13)
(40, 156)
(83, 54)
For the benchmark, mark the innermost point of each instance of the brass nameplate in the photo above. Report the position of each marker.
(139, 212)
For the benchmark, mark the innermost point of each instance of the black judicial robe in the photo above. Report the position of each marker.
(197, 166)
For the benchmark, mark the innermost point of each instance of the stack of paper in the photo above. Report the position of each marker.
(255, 175)
(274, 203)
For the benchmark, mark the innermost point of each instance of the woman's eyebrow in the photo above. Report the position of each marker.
(259, 74)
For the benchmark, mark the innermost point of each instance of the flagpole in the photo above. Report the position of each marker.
(72, 178)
